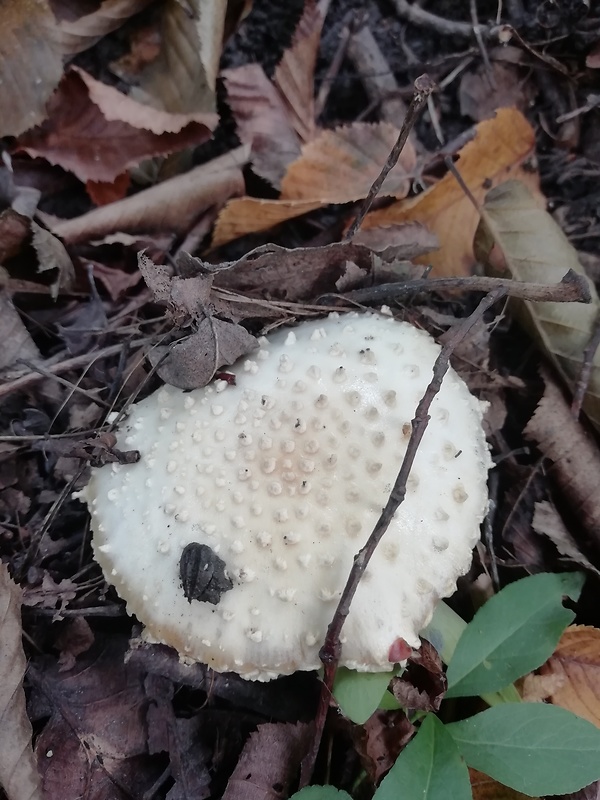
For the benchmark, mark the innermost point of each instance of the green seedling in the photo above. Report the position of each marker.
(534, 748)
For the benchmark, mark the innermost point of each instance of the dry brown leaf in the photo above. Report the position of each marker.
(483, 92)
(16, 339)
(102, 193)
(30, 63)
(52, 255)
(338, 166)
(576, 458)
(181, 80)
(486, 788)
(498, 152)
(96, 132)
(577, 661)
(80, 34)
(405, 241)
(295, 73)
(548, 522)
(18, 772)
(270, 757)
(517, 239)
(261, 121)
(14, 229)
(173, 206)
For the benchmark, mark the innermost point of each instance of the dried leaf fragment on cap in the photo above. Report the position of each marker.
(283, 476)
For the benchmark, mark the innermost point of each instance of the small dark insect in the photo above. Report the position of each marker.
(202, 574)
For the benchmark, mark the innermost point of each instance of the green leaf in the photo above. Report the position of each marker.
(359, 694)
(512, 634)
(429, 768)
(534, 748)
(321, 793)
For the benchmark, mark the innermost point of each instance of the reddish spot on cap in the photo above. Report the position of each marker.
(399, 651)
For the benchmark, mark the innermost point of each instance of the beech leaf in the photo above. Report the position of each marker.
(519, 240)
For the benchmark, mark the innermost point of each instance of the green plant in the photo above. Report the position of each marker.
(535, 748)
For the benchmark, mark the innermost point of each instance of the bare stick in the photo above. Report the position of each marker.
(573, 288)
(424, 86)
(416, 15)
(331, 650)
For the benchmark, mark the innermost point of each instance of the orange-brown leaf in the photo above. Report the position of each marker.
(486, 788)
(498, 152)
(577, 661)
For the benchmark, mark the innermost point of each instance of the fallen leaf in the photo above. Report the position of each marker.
(52, 255)
(181, 79)
(50, 594)
(295, 74)
(75, 638)
(16, 339)
(486, 788)
(338, 166)
(575, 457)
(103, 192)
(548, 522)
(269, 762)
(405, 241)
(261, 121)
(576, 661)
(498, 152)
(191, 362)
(483, 91)
(423, 683)
(18, 772)
(14, 229)
(380, 740)
(75, 35)
(591, 792)
(173, 206)
(30, 63)
(96, 132)
(517, 239)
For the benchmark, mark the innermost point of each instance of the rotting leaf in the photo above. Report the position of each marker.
(192, 361)
(576, 661)
(53, 255)
(423, 683)
(548, 522)
(499, 150)
(517, 239)
(380, 740)
(575, 457)
(18, 772)
(269, 762)
(30, 63)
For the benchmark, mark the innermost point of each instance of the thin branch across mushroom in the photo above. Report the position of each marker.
(272, 486)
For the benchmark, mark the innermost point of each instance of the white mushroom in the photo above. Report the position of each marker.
(233, 537)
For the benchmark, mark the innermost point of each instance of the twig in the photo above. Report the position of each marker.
(585, 374)
(47, 373)
(424, 86)
(331, 649)
(573, 288)
(416, 15)
(349, 24)
(25, 381)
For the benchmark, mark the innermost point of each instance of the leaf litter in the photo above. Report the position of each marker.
(87, 327)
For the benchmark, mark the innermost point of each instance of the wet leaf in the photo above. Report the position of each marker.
(18, 772)
(500, 149)
(532, 747)
(512, 634)
(518, 239)
(430, 767)
(576, 662)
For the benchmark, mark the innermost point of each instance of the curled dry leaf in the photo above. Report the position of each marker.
(181, 79)
(76, 35)
(548, 522)
(173, 206)
(338, 166)
(18, 772)
(96, 132)
(53, 255)
(270, 758)
(575, 457)
(500, 149)
(517, 239)
(576, 661)
(486, 788)
(30, 63)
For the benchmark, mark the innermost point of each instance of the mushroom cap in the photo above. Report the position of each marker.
(279, 480)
